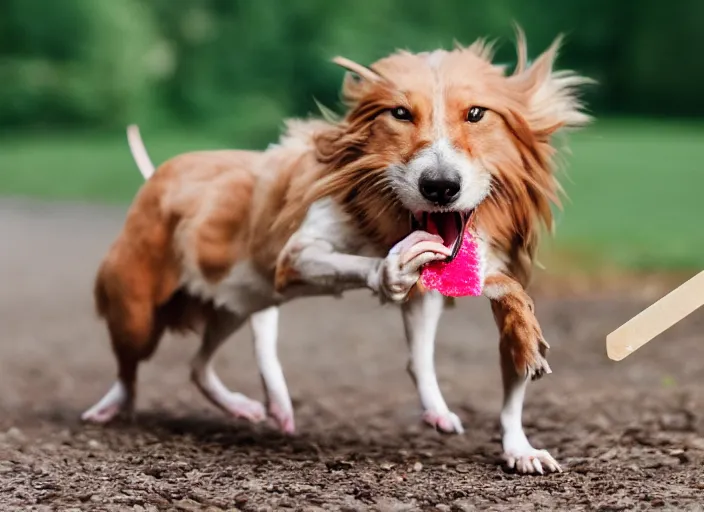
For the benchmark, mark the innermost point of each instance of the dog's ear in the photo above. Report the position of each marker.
(551, 98)
(356, 79)
(358, 70)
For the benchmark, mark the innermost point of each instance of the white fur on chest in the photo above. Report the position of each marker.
(326, 222)
(244, 290)
(326, 230)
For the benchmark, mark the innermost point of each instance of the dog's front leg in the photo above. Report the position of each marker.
(523, 357)
(421, 314)
(315, 263)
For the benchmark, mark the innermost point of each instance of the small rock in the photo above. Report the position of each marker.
(339, 465)
(387, 466)
(417, 467)
(680, 455)
(154, 471)
(287, 503)
(15, 434)
(680, 422)
(609, 455)
(601, 422)
(462, 468)
(187, 505)
(94, 445)
(85, 497)
(696, 443)
(443, 507)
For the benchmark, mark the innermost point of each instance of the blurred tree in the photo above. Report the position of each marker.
(74, 61)
(241, 66)
(665, 66)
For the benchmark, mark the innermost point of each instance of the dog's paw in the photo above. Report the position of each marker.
(537, 364)
(448, 422)
(400, 270)
(531, 461)
(116, 403)
(102, 415)
(242, 407)
(283, 418)
(527, 346)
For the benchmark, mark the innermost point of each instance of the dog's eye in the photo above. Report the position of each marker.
(402, 114)
(475, 114)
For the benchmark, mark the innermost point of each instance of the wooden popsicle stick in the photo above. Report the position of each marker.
(657, 318)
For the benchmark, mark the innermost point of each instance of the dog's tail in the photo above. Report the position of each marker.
(139, 152)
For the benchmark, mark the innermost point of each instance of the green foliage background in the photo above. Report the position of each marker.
(239, 65)
(198, 74)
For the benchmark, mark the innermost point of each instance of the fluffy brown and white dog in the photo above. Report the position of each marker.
(215, 238)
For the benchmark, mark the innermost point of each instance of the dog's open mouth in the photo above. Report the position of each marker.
(450, 226)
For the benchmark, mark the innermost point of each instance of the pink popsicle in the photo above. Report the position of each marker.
(459, 278)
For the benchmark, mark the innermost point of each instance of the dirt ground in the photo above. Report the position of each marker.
(629, 435)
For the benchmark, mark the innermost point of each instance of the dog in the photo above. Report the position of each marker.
(216, 238)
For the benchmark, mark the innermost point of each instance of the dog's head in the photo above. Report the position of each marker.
(439, 133)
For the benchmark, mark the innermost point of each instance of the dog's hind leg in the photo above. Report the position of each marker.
(135, 333)
(219, 327)
(421, 314)
(265, 333)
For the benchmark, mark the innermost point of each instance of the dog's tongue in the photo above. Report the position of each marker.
(460, 277)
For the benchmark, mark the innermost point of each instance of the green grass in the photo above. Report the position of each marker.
(636, 188)
(85, 167)
(636, 195)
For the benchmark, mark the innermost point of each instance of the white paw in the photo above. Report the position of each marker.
(240, 406)
(101, 415)
(283, 417)
(117, 400)
(400, 270)
(447, 422)
(530, 460)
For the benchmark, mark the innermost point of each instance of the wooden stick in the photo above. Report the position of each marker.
(654, 320)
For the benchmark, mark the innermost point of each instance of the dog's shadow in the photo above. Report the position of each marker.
(215, 433)
(339, 445)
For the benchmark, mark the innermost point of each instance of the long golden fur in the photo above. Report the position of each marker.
(533, 103)
(203, 215)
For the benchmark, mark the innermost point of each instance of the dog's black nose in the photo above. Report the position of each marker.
(442, 191)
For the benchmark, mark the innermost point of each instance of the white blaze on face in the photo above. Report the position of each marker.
(439, 127)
